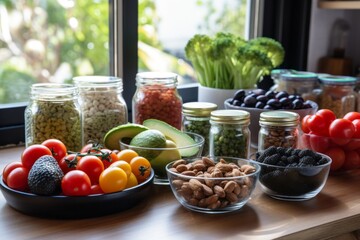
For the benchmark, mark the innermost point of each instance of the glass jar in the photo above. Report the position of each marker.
(157, 97)
(279, 129)
(53, 112)
(301, 83)
(102, 104)
(338, 94)
(229, 133)
(196, 119)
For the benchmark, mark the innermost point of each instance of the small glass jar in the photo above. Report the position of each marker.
(301, 83)
(229, 133)
(279, 129)
(54, 112)
(102, 104)
(157, 97)
(196, 119)
(338, 94)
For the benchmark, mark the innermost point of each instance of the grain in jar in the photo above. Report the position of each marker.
(157, 97)
(54, 112)
(279, 129)
(229, 133)
(102, 105)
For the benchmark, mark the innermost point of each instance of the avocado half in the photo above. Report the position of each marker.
(129, 130)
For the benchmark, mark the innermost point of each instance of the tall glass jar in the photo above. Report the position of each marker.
(338, 94)
(102, 104)
(157, 97)
(279, 129)
(196, 119)
(229, 133)
(54, 112)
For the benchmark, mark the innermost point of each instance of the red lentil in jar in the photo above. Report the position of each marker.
(157, 97)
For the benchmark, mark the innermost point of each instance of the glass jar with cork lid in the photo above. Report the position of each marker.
(229, 133)
(279, 129)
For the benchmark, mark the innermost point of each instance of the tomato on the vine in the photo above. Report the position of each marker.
(68, 163)
(113, 179)
(92, 166)
(76, 183)
(127, 155)
(57, 148)
(108, 157)
(96, 189)
(141, 168)
(33, 153)
(8, 168)
(18, 179)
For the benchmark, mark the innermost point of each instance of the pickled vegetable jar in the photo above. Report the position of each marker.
(229, 133)
(54, 112)
(196, 119)
(157, 97)
(102, 105)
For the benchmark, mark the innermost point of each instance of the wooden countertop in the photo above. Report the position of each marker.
(331, 214)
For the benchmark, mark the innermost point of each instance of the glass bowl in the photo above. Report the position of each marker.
(294, 183)
(202, 187)
(163, 156)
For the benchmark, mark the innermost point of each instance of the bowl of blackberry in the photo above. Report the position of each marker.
(292, 174)
(256, 101)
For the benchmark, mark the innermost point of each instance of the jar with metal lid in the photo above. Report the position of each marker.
(54, 112)
(102, 104)
(301, 83)
(196, 119)
(278, 128)
(338, 94)
(229, 133)
(157, 97)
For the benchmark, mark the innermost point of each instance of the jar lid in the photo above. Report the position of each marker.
(279, 118)
(198, 108)
(276, 73)
(97, 82)
(230, 116)
(53, 91)
(299, 75)
(338, 80)
(163, 78)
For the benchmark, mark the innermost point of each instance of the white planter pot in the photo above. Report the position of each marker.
(215, 95)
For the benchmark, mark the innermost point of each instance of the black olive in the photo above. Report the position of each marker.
(281, 94)
(250, 101)
(260, 105)
(262, 98)
(239, 95)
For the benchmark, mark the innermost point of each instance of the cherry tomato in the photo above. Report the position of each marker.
(319, 143)
(76, 183)
(58, 148)
(32, 153)
(113, 179)
(96, 189)
(352, 160)
(123, 165)
(337, 156)
(353, 144)
(127, 155)
(86, 148)
(304, 125)
(68, 163)
(141, 168)
(352, 116)
(356, 123)
(132, 181)
(341, 131)
(8, 168)
(92, 166)
(328, 115)
(318, 125)
(18, 179)
(109, 158)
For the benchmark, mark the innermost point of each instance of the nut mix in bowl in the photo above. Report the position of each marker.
(292, 174)
(213, 185)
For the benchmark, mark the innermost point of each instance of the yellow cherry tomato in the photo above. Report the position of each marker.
(141, 168)
(113, 179)
(132, 181)
(123, 165)
(127, 155)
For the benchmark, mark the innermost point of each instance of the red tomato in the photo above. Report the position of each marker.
(18, 179)
(92, 166)
(76, 183)
(58, 148)
(109, 157)
(319, 143)
(8, 168)
(33, 153)
(318, 125)
(304, 125)
(68, 163)
(337, 156)
(328, 115)
(352, 160)
(341, 131)
(356, 123)
(96, 189)
(352, 116)
(86, 148)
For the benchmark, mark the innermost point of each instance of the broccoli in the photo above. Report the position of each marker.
(273, 49)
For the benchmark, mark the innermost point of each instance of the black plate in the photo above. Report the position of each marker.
(76, 207)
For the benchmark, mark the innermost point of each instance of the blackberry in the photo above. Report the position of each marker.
(281, 163)
(288, 152)
(281, 150)
(270, 151)
(295, 152)
(273, 159)
(322, 161)
(293, 159)
(307, 160)
(306, 152)
(284, 159)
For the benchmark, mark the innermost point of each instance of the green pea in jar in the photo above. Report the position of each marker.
(54, 112)
(229, 133)
(196, 119)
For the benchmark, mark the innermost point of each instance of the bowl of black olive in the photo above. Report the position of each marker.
(256, 101)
